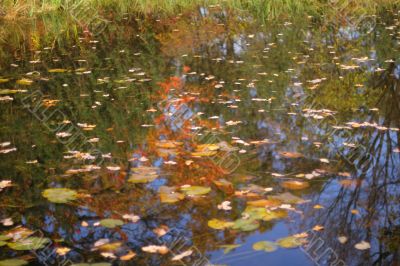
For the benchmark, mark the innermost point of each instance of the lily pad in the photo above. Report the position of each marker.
(291, 242)
(5, 237)
(2, 243)
(246, 225)
(3, 80)
(111, 223)
(196, 190)
(219, 224)
(255, 213)
(143, 174)
(13, 262)
(30, 243)
(169, 195)
(275, 214)
(267, 246)
(60, 195)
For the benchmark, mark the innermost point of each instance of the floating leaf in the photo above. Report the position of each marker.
(30, 243)
(275, 214)
(111, 223)
(143, 174)
(246, 224)
(2, 243)
(128, 256)
(195, 190)
(295, 185)
(156, 249)
(229, 248)
(168, 144)
(60, 195)
(264, 203)
(2, 80)
(13, 262)
(169, 195)
(57, 70)
(182, 255)
(287, 198)
(8, 91)
(207, 147)
(342, 239)
(17, 233)
(267, 246)
(219, 224)
(203, 153)
(24, 82)
(291, 242)
(62, 251)
(363, 245)
(224, 185)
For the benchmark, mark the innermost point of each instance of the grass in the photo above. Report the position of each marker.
(264, 9)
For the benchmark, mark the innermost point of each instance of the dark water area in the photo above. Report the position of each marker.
(204, 139)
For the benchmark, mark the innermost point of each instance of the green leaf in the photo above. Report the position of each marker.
(267, 246)
(60, 195)
(2, 243)
(111, 223)
(246, 224)
(291, 242)
(196, 190)
(8, 91)
(30, 243)
(24, 82)
(13, 262)
(57, 70)
(219, 224)
(4, 237)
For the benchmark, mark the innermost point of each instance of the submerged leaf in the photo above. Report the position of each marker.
(229, 248)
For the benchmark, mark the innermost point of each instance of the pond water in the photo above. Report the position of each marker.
(201, 139)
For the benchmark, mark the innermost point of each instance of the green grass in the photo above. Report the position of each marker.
(264, 9)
